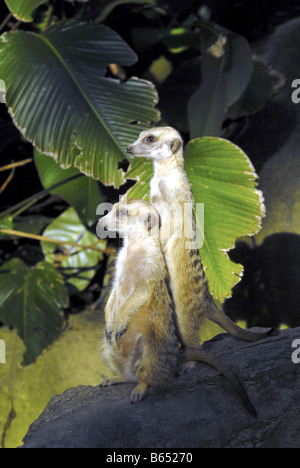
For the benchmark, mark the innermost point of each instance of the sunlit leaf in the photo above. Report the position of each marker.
(224, 179)
(23, 9)
(78, 263)
(140, 170)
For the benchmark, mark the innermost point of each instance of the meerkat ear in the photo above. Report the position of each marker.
(175, 144)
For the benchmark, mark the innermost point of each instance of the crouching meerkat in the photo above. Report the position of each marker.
(143, 344)
(170, 192)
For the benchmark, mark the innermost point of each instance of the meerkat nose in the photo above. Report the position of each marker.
(129, 149)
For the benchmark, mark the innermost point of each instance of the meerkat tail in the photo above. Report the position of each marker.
(200, 354)
(220, 318)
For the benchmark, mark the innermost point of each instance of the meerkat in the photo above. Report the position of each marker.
(171, 193)
(142, 342)
(141, 345)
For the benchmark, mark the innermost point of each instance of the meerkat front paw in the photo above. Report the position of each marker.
(120, 333)
(108, 334)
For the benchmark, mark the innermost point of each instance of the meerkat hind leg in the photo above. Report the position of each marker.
(220, 318)
(201, 355)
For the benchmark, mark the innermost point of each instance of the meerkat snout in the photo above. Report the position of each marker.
(129, 149)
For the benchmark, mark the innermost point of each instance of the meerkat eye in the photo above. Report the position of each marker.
(122, 212)
(150, 139)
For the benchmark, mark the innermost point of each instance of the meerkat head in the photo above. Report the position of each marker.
(133, 218)
(158, 143)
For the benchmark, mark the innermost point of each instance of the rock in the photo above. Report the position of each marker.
(199, 410)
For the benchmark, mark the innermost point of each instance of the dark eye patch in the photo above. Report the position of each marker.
(150, 139)
(122, 212)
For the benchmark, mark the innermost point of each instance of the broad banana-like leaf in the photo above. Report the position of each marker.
(31, 300)
(224, 180)
(23, 9)
(61, 100)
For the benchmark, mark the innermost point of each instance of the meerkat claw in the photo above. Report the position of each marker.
(120, 333)
(138, 393)
(108, 336)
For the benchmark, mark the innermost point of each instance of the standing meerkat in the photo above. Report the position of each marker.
(170, 192)
(142, 343)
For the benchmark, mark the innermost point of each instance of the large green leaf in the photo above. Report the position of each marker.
(224, 179)
(61, 100)
(78, 262)
(226, 68)
(82, 193)
(23, 9)
(141, 171)
(31, 300)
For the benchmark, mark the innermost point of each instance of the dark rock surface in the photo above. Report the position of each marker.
(199, 410)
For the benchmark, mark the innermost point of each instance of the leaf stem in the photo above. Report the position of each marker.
(8, 180)
(13, 232)
(23, 205)
(15, 164)
(5, 21)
